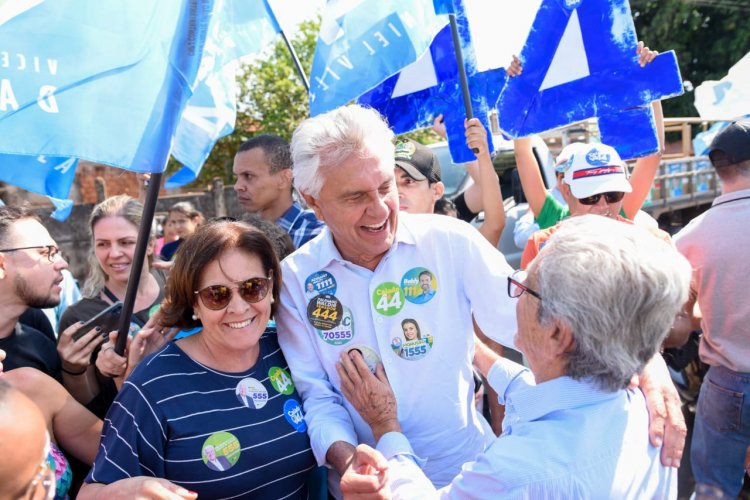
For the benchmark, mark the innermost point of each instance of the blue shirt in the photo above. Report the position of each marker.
(561, 439)
(218, 434)
(302, 225)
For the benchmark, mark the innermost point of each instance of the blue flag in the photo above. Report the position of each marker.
(99, 80)
(241, 28)
(429, 87)
(50, 176)
(361, 43)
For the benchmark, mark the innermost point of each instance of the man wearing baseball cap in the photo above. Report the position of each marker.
(417, 177)
(595, 182)
(716, 244)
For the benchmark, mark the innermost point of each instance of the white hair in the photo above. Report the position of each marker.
(618, 287)
(326, 141)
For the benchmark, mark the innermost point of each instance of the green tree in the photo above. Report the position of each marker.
(708, 40)
(271, 100)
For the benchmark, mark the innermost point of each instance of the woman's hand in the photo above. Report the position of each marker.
(108, 362)
(149, 339)
(140, 488)
(371, 395)
(76, 354)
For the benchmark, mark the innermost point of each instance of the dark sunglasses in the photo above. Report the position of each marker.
(611, 197)
(217, 297)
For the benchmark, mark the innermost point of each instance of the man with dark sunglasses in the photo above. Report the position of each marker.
(595, 182)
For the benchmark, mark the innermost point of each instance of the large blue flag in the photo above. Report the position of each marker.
(363, 42)
(104, 81)
(241, 28)
(429, 87)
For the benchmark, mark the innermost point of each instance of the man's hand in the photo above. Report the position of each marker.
(438, 126)
(667, 425)
(76, 354)
(514, 68)
(367, 478)
(476, 137)
(371, 395)
(645, 55)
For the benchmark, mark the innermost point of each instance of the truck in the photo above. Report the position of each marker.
(685, 185)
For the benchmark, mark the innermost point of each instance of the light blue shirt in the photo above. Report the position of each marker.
(561, 439)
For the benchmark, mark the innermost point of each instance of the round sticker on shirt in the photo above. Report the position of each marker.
(411, 342)
(251, 393)
(342, 333)
(388, 298)
(324, 312)
(294, 415)
(368, 353)
(419, 285)
(281, 380)
(320, 283)
(220, 451)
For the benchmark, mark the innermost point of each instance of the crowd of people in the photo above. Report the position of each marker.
(331, 344)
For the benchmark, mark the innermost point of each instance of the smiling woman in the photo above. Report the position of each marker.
(214, 414)
(114, 230)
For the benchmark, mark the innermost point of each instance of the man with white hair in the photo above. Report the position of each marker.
(365, 269)
(573, 428)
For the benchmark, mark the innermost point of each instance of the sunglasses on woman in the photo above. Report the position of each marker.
(611, 197)
(217, 297)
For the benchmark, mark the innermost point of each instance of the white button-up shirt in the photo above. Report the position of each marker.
(431, 376)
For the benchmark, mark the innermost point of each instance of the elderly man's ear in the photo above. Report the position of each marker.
(561, 340)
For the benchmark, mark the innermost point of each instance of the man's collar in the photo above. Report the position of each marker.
(562, 393)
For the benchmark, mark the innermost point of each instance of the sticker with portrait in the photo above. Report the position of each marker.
(220, 451)
(251, 393)
(419, 285)
(411, 341)
(320, 283)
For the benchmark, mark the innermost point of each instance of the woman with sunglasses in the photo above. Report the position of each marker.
(214, 414)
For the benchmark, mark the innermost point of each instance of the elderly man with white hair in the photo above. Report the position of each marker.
(595, 306)
(365, 270)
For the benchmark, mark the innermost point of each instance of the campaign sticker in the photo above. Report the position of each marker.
(411, 343)
(341, 334)
(220, 451)
(419, 285)
(281, 380)
(388, 298)
(368, 353)
(324, 312)
(320, 283)
(251, 393)
(294, 415)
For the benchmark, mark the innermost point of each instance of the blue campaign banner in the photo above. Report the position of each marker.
(102, 81)
(579, 62)
(411, 99)
(51, 176)
(241, 28)
(363, 42)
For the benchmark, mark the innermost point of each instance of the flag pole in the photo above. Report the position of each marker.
(292, 52)
(144, 235)
(461, 70)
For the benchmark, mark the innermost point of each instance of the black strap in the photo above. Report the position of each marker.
(134, 318)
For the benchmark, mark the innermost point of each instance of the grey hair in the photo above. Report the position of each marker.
(330, 139)
(617, 287)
